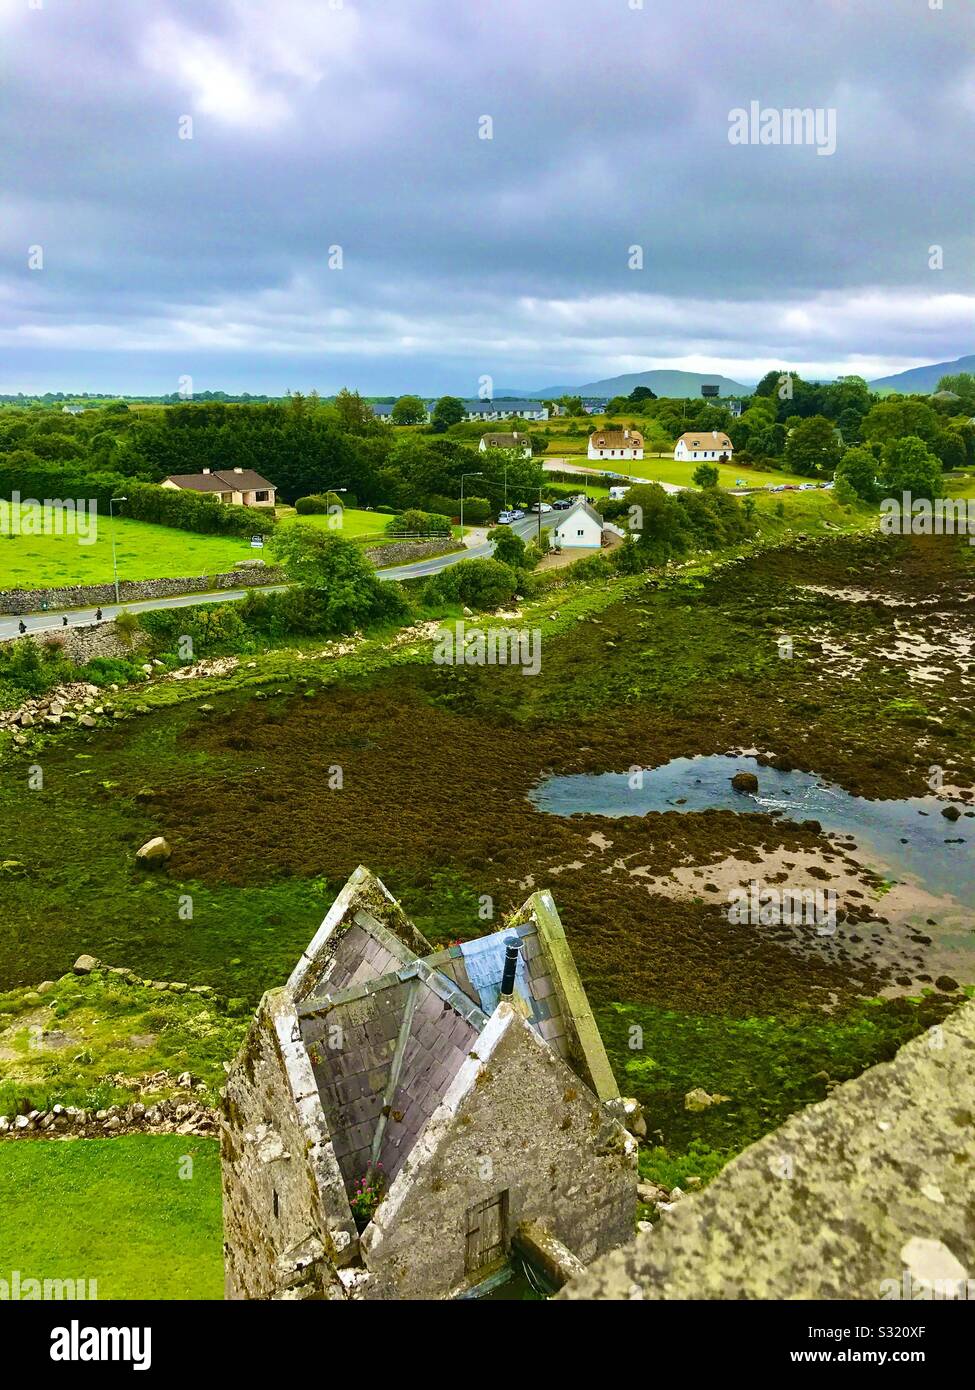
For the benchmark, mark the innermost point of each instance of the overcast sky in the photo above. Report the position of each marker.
(359, 127)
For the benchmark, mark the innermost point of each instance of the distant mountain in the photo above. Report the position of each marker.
(661, 382)
(921, 380)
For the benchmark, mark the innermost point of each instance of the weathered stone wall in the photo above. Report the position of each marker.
(392, 553)
(81, 643)
(867, 1195)
(516, 1120)
(285, 1229)
(91, 595)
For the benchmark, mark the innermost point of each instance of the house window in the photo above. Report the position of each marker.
(580, 533)
(261, 496)
(486, 1234)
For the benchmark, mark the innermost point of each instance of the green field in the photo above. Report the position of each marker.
(144, 551)
(357, 525)
(669, 470)
(117, 1211)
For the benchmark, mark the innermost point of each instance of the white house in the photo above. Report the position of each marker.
(505, 410)
(580, 528)
(515, 440)
(703, 444)
(240, 487)
(616, 444)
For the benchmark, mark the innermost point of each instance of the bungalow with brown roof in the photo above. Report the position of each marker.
(616, 444)
(703, 444)
(516, 440)
(240, 486)
(399, 1116)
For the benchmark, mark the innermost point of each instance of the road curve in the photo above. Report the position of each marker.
(53, 619)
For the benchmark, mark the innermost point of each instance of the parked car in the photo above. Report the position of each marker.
(516, 514)
(562, 505)
(806, 487)
(540, 507)
(827, 486)
(506, 518)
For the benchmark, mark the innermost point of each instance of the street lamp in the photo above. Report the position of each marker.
(111, 522)
(462, 477)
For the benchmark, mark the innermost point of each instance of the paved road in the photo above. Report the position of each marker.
(85, 617)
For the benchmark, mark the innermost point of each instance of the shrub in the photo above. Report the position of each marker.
(424, 523)
(315, 504)
(481, 583)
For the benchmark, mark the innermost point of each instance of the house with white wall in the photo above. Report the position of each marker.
(697, 445)
(505, 410)
(616, 444)
(580, 528)
(516, 440)
(241, 487)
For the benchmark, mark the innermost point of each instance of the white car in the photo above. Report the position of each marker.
(807, 487)
(516, 514)
(541, 507)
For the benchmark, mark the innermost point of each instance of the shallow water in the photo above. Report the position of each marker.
(702, 783)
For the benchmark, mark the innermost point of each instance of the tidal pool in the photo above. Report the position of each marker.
(908, 840)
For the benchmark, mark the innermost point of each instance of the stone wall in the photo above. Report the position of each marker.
(130, 590)
(392, 553)
(516, 1120)
(867, 1195)
(285, 1230)
(81, 643)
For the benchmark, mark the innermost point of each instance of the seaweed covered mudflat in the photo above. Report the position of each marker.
(851, 660)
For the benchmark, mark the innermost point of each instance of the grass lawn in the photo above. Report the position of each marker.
(669, 470)
(115, 1210)
(144, 550)
(356, 525)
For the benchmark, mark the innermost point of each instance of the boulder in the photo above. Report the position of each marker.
(154, 853)
(745, 782)
(84, 965)
(950, 812)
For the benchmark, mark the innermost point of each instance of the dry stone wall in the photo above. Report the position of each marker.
(16, 601)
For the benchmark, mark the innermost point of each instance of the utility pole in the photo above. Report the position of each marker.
(111, 523)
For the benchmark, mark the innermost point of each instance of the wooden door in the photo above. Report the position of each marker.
(487, 1233)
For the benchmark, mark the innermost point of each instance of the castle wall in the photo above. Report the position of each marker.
(287, 1223)
(516, 1120)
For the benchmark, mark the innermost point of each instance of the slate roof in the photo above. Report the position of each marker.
(577, 507)
(387, 1032)
(227, 481)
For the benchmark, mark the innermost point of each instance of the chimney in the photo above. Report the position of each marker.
(714, 434)
(206, 472)
(238, 470)
(511, 953)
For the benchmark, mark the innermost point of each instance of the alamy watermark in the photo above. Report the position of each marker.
(54, 516)
(495, 646)
(919, 516)
(787, 125)
(766, 906)
(21, 1288)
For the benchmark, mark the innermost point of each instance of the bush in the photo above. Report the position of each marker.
(315, 504)
(423, 523)
(477, 510)
(482, 583)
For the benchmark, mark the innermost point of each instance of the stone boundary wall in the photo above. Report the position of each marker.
(866, 1195)
(14, 601)
(186, 1114)
(81, 644)
(407, 552)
